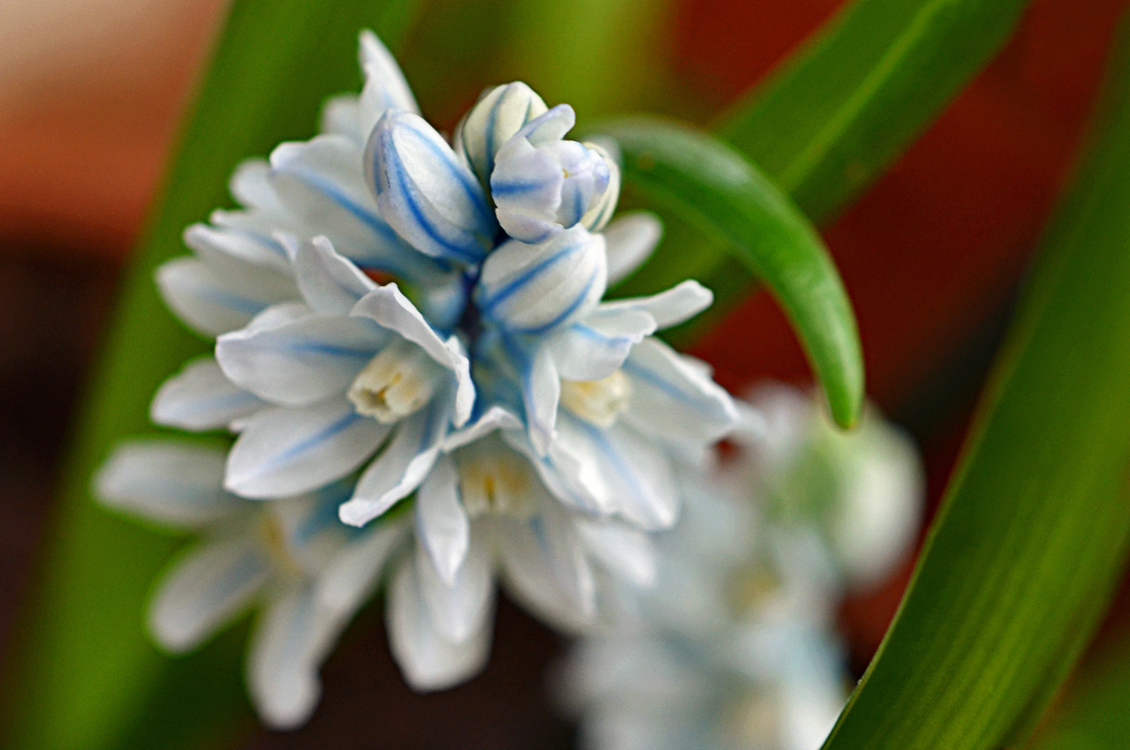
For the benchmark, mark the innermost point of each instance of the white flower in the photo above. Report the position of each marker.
(730, 649)
(543, 184)
(863, 489)
(537, 427)
(308, 573)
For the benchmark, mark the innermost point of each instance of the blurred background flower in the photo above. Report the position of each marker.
(90, 93)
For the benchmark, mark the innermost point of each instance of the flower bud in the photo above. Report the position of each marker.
(400, 380)
(536, 288)
(597, 401)
(500, 113)
(542, 184)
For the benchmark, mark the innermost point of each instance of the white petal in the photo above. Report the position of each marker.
(341, 115)
(427, 661)
(200, 397)
(388, 306)
(631, 239)
(206, 589)
(301, 362)
(174, 483)
(441, 521)
(214, 303)
(355, 571)
(596, 347)
(287, 649)
(561, 544)
(531, 579)
(674, 400)
(500, 113)
(321, 184)
(400, 468)
(250, 184)
(242, 237)
(459, 608)
(328, 282)
(628, 553)
(284, 452)
(537, 288)
(601, 210)
(495, 418)
(385, 87)
(677, 304)
(620, 470)
(425, 192)
(541, 392)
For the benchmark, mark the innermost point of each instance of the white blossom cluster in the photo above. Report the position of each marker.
(735, 647)
(425, 387)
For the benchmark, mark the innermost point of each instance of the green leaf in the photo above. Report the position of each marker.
(1093, 715)
(714, 186)
(89, 677)
(836, 114)
(1034, 528)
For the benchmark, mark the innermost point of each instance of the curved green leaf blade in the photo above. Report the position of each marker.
(1034, 530)
(1093, 714)
(833, 117)
(840, 110)
(90, 678)
(716, 187)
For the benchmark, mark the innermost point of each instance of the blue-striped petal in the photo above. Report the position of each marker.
(283, 452)
(321, 184)
(500, 113)
(425, 192)
(207, 588)
(542, 184)
(300, 362)
(170, 482)
(673, 397)
(630, 240)
(595, 347)
(329, 282)
(200, 397)
(212, 301)
(538, 288)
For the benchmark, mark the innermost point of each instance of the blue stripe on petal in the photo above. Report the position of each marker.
(335, 194)
(653, 378)
(514, 286)
(470, 186)
(470, 253)
(303, 446)
(243, 305)
(564, 314)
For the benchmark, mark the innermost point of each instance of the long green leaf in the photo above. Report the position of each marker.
(837, 113)
(1034, 529)
(714, 186)
(1093, 715)
(89, 669)
(831, 119)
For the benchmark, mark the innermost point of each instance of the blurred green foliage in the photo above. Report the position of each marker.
(1032, 536)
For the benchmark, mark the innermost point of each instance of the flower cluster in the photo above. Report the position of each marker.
(734, 647)
(403, 323)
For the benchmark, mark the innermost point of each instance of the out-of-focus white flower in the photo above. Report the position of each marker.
(308, 573)
(864, 489)
(731, 649)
